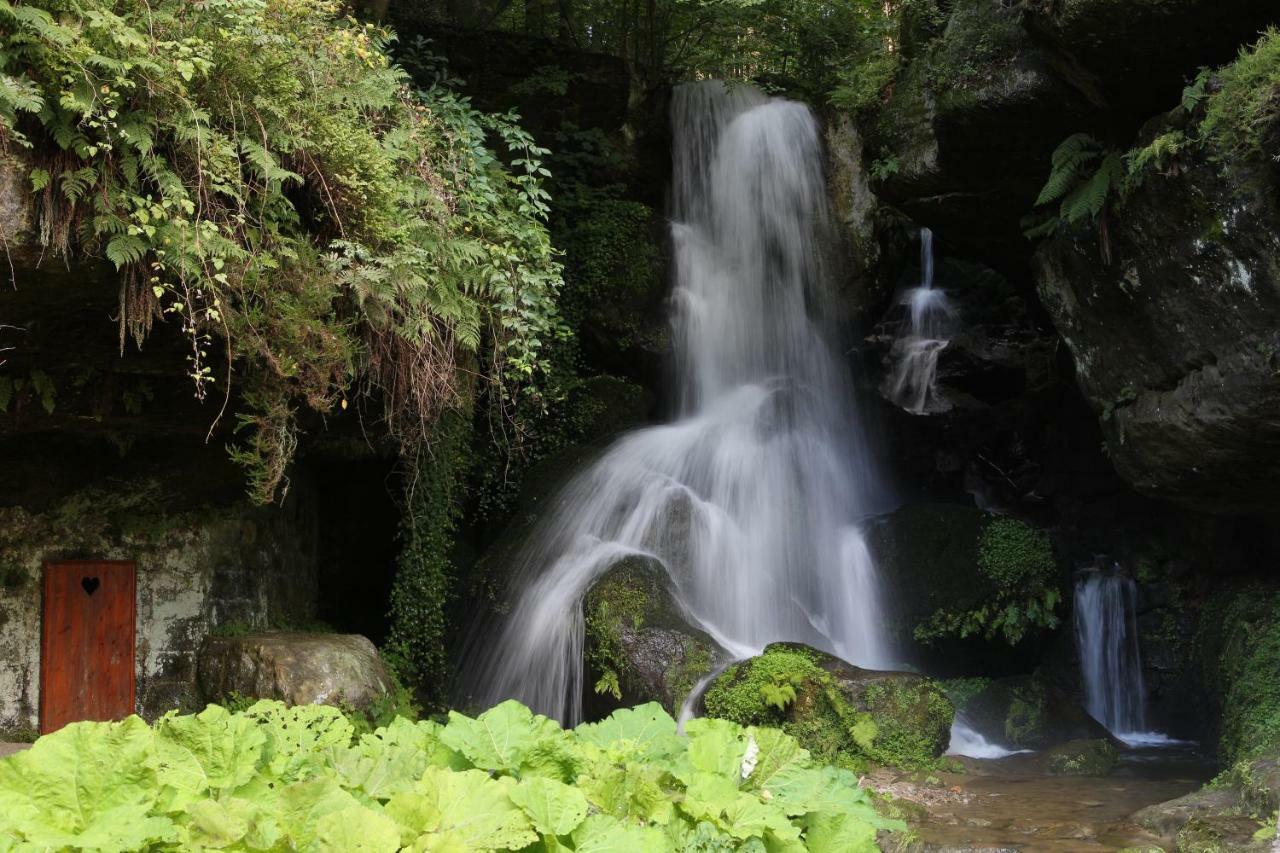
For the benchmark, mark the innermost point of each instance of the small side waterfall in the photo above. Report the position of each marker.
(926, 332)
(752, 497)
(1110, 660)
(969, 742)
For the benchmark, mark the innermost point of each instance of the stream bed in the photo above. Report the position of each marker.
(1015, 804)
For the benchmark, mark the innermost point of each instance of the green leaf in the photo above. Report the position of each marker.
(356, 830)
(210, 750)
(88, 785)
(603, 834)
(647, 732)
(553, 807)
(501, 738)
(467, 807)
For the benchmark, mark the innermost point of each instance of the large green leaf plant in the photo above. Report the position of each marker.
(277, 778)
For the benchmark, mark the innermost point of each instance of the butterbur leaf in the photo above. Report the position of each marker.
(840, 833)
(208, 823)
(356, 830)
(777, 751)
(468, 806)
(716, 746)
(631, 793)
(214, 749)
(303, 804)
(88, 785)
(553, 807)
(300, 740)
(603, 834)
(647, 731)
(501, 737)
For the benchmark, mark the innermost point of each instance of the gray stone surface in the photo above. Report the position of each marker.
(297, 668)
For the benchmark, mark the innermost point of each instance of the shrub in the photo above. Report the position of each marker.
(296, 778)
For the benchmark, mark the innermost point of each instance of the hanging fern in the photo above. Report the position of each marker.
(1086, 178)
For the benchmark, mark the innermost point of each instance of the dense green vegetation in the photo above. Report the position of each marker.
(905, 724)
(271, 778)
(265, 176)
(1017, 561)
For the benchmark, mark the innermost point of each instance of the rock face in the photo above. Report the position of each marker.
(297, 668)
(1177, 339)
(640, 645)
(836, 710)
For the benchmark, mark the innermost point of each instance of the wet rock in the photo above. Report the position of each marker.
(835, 709)
(1176, 334)
(640, 644)
(1094, 757)
(1168, 818)
(1222, 833)
(1025, 711)
(297, 668)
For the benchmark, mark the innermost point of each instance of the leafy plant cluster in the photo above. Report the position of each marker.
(264, 175)
(1233, 111)
(275, 778)
(1017, 560)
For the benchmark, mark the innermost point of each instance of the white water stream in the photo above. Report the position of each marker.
(1106, 630)
(925, 334)
(752, 496)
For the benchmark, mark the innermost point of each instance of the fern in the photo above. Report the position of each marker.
(1085, 178)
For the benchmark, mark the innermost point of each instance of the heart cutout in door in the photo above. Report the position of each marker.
(90, 585)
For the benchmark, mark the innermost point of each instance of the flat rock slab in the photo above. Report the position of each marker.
(297, 668)
(7, 749)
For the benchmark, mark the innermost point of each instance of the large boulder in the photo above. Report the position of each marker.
(641, 645)
(294, 667)
(1175, 332)
(1093, 757)
(1023, 711)
(839, 712)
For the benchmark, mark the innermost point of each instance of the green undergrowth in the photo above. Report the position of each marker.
(277, 778)
(1237, 651)
(786, 686)
(1016, 561)
(265, 177)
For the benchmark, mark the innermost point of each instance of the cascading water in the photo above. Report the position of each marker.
(966, 740)
(1110, 661)
(751, 498)
(926, 333)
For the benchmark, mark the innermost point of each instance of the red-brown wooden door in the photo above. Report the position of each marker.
(87, 649)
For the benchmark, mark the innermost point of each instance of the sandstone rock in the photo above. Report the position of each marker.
(297, 668)
(1167, 819)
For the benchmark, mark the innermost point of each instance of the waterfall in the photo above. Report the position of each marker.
(751, 497)
(1110, 661)
(925, 334)
(966, 740)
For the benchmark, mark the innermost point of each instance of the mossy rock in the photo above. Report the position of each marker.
(1028, 711)
(841, 713)
(1096, 757)
(1225, 834)
(640, 644)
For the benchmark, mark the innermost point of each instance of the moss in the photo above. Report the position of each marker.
(617, 600)
(962, 690)
(1237, 652)
(841, 715)
(1083, 758)
(1221, 834)
(1024, 723)
(692, 666)
(1242, 117)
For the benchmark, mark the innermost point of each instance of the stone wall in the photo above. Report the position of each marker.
(200, 568)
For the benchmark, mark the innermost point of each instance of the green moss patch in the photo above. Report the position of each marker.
(841, 714)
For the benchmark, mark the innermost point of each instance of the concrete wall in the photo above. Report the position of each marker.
(198, 569)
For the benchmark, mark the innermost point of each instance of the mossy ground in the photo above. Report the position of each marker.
(886, 722)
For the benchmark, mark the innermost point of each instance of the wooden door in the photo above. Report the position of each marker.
(87, 648)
